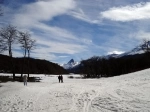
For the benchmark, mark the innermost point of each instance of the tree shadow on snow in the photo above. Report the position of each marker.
(4, 79)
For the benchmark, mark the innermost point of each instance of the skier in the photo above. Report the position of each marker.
(25, 80)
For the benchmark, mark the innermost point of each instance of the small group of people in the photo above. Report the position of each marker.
(25, 78)
(60, 78)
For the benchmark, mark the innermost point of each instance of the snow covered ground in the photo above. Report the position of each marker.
(126, 93)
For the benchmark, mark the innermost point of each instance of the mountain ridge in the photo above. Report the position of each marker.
(137, 50)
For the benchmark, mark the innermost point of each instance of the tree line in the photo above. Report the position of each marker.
(37, 66)
(101, 67)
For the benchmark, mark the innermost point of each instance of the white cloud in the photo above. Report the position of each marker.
(45, 48)
(128, 13)
(115, 52)
(86, 41)
(52, 39)
(140, 35)
(61, 34)
(45, 56)
(63, 56)
(34, 13)
(31, 16)
(80, 14)
(59, 47)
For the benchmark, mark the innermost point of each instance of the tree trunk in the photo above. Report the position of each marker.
(28, 63)
(22, 70)
(13, 69)
(12, 63)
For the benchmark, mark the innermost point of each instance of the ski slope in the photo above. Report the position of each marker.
(126, 93)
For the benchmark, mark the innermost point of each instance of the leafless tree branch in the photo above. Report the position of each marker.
(27, 44)
(8, 36)
(1, 11)
(146, 45)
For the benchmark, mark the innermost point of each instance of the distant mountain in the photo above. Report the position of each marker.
(117, 64)
(74, 67)
(71, 64)
(136, 50)
(105, 57)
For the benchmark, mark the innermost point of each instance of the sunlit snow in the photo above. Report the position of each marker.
(126, 93)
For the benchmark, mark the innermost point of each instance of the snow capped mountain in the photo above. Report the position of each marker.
(136, 50)
(110, 56)
(70, 64)
(104, 57)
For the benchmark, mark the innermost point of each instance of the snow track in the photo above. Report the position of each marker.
(128, 93)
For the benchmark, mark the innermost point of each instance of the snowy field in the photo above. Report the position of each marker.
(127, 93)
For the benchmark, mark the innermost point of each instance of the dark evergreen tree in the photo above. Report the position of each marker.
(100, 67)
(37, 66)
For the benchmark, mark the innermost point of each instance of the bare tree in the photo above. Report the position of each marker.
(3, 46)
(2, 43)
(8, 36)
(31, 46)
(23, 40)
(146, 45)
(1, 11)
(27, 45)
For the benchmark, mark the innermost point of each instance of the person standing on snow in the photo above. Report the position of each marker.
(25, 78)
(59, 78)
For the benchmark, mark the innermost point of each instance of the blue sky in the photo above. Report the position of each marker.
(78, 29)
